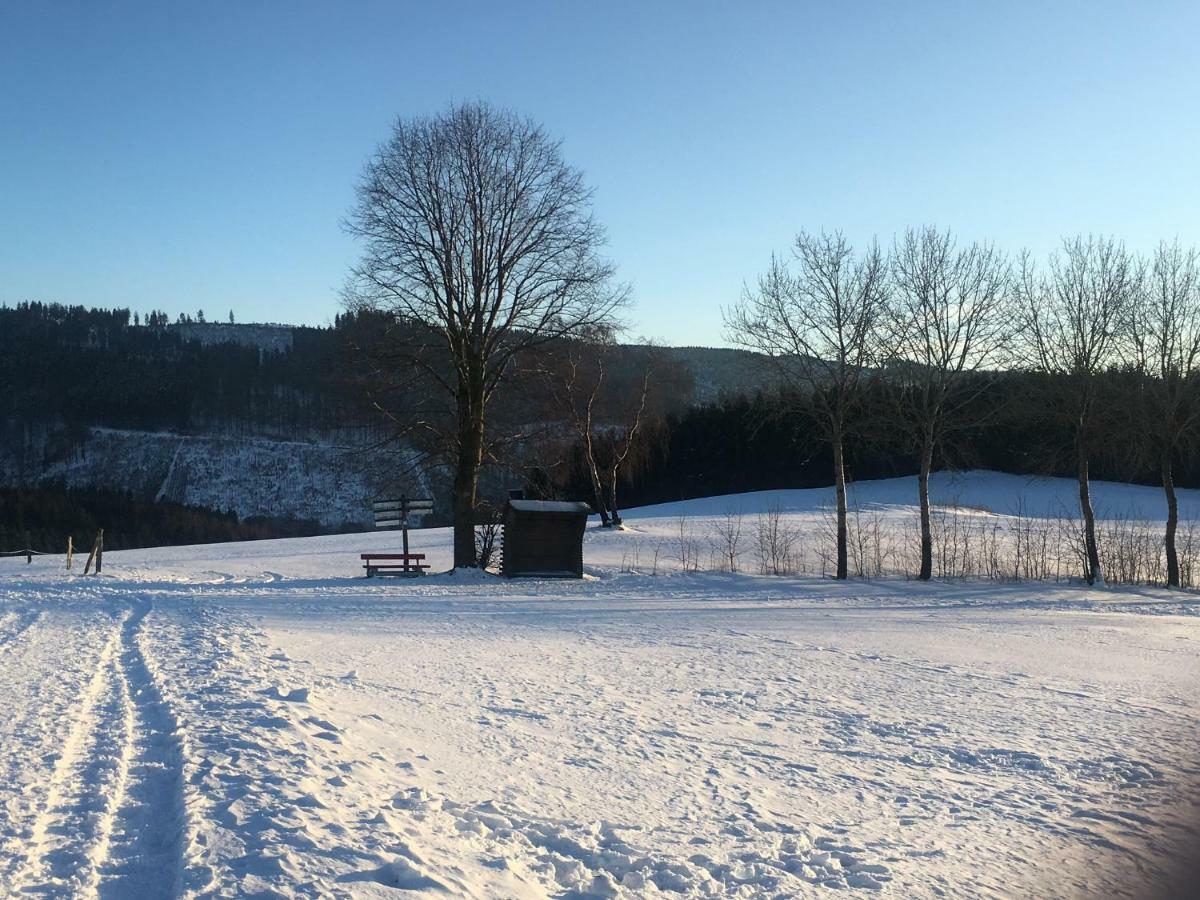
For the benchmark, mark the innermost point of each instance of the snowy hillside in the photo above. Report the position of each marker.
(257, 719)
(250, 476)
(995, 493)
(268, 337)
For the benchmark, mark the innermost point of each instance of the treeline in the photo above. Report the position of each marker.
(76, 367)
(770, 441)
(40, 519)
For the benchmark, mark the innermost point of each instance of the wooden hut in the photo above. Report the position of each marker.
(544, 538)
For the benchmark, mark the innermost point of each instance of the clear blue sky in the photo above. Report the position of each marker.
(202, 155)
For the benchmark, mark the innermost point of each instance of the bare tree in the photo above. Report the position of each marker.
(624, 432)
(949, 321)
(1165, 338)
(1072, 317)
(574, 375)
(819, 328)
(607, 396)
(479, 238)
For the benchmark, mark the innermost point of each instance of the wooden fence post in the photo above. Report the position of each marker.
(70, 550)
(96, 554)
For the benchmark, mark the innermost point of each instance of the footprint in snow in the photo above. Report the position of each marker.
(323, 724)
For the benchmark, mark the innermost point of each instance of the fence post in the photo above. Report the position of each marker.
(70, 550)
(28, 549)
(97, 551)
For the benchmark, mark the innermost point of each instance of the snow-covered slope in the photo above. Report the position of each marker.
(310, 481)
(257, 719)
(974, 490)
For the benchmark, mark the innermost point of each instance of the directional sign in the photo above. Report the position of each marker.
(410, 505)
(395, 513)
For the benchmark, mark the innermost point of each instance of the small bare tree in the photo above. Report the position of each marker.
(574, 374)
(1165, 338)
(623, 436)
(1072, 317)
(480, 240)
(950, 320)
(819, 328)
(606, 406)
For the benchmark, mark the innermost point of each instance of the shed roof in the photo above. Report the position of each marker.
(550, 506)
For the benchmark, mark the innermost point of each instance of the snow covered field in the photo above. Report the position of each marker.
(258, 720)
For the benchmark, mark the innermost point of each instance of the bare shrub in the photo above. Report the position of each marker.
(1033, 539)
(487, 533)
(658, 547)
(727, 540)
(687, 548)
(869, 553)
(1187, 545)
(775, 543)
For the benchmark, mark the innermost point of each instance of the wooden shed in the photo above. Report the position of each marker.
(544, 538)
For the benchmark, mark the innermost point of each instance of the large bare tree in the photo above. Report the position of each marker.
(480, 239)
(1073, 317)
(949, 320)
(1165, 338)
(819, 326)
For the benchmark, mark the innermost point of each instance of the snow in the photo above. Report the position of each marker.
(988, 492)
(259, 720)
(549, 506)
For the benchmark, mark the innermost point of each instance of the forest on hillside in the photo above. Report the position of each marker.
(74, 367)
(67, 369)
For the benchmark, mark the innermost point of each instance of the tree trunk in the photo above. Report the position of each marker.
(1168, 480)
(839, 481)
(466, 474)
(594, 475)
(612, 501)
(1094, 572)
(926, 525)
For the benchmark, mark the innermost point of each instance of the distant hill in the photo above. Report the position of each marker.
(723, 371)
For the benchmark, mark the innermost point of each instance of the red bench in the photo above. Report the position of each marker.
(394, 564)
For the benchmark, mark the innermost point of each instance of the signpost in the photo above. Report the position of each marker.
(395, 513)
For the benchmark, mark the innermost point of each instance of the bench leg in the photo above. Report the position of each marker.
(370, 572)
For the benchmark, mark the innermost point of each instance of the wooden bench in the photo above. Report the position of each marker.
(395, 563)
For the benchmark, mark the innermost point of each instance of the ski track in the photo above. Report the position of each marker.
(109, 820)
